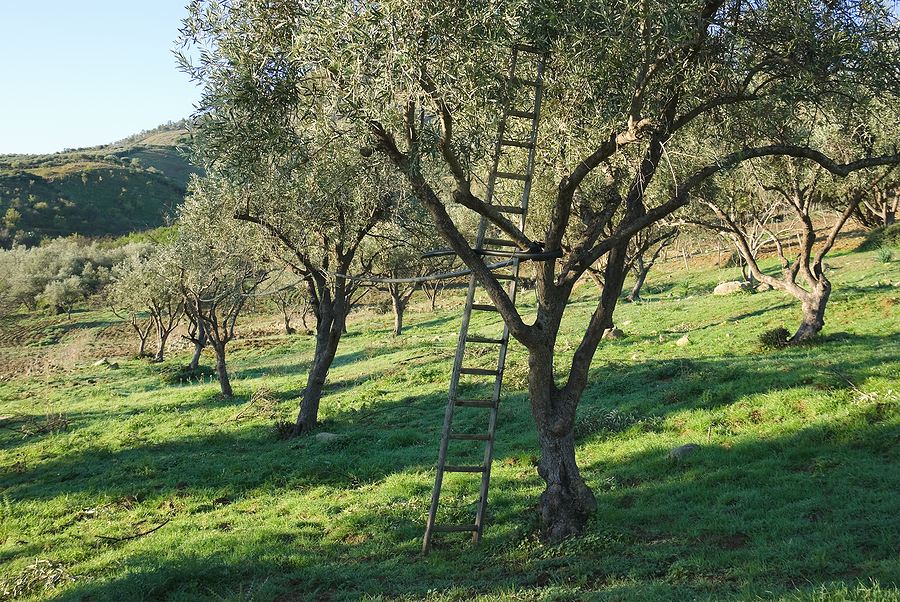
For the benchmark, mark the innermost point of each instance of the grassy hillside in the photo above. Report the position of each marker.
(135, 484)
(112, 190)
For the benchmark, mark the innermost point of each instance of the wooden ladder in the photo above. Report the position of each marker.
(511, 174)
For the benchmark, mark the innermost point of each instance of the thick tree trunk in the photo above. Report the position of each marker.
(635, 294)
(195, 359)
(813, 306)
(222, 370)
(332, 319)
(288, 329)
(567, 501)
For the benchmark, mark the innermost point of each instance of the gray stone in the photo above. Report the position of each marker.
(321, 437)
(727, 288)
(613, 334)
(683, 451)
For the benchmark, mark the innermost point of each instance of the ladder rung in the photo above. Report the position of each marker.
(509, 209)
(475, 403)
(528, 48)
(474, 339)
(512, 176)
(464, 437)
(522, 114)
(453, 528)
(478, 371)
(463, 468)
(499, 242)
(482, 307)
(518, 143)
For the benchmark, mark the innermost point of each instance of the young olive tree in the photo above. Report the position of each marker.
(215, 263)
(141, 288)
(630, 90)
(311, 204)
(395, 258)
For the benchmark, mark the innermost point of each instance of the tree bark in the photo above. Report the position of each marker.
(642, 271)
(161, 346)
(567, 501)
(813, 306)
(222, 370)
(399, 306)
(331, 322)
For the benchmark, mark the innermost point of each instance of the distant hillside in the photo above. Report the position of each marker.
(131, 185)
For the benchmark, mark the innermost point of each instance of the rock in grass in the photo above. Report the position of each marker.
(728, 288)
(612, 334)
(683, 451)
(683, 341)
(321, 437)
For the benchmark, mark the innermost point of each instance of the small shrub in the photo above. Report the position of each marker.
(38, 576)
(881, 237)
(777, 338)
(184, 374)
(283, 429)
(884, 254)
(611, 421)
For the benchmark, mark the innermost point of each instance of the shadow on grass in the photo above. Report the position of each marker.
(812, 509)
(812, 506)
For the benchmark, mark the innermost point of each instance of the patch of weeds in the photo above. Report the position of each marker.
(515, 376)
(283, 429)
(612, 421)
(262, 404)
(186, 374)
(881, 237)
(777, 338)
(884, 254)
(32, 425)
(38, 576)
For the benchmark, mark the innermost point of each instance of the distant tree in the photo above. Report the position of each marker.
(215, 263)
(11, 219)
(395, 254)
(792, 184)
(140, 288)
(644, 250)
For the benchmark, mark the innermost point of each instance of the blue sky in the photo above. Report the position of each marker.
(78, 73)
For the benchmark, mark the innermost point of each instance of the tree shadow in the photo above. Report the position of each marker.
(813, 506)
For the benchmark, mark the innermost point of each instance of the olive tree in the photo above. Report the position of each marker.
(632, 90)
(141, 288)
(215, 263)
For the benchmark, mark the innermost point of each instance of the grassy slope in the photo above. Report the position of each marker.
(793, 494)
(98, 191)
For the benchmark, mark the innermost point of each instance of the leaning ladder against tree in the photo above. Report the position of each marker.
(511, 173)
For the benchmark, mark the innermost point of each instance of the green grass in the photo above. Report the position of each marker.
(117, 486)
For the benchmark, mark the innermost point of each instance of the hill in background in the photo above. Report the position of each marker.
(109, 190)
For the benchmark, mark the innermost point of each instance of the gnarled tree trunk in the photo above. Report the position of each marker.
(222, 370)
(813, 305)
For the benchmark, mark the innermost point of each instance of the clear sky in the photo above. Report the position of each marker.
(79, 73)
